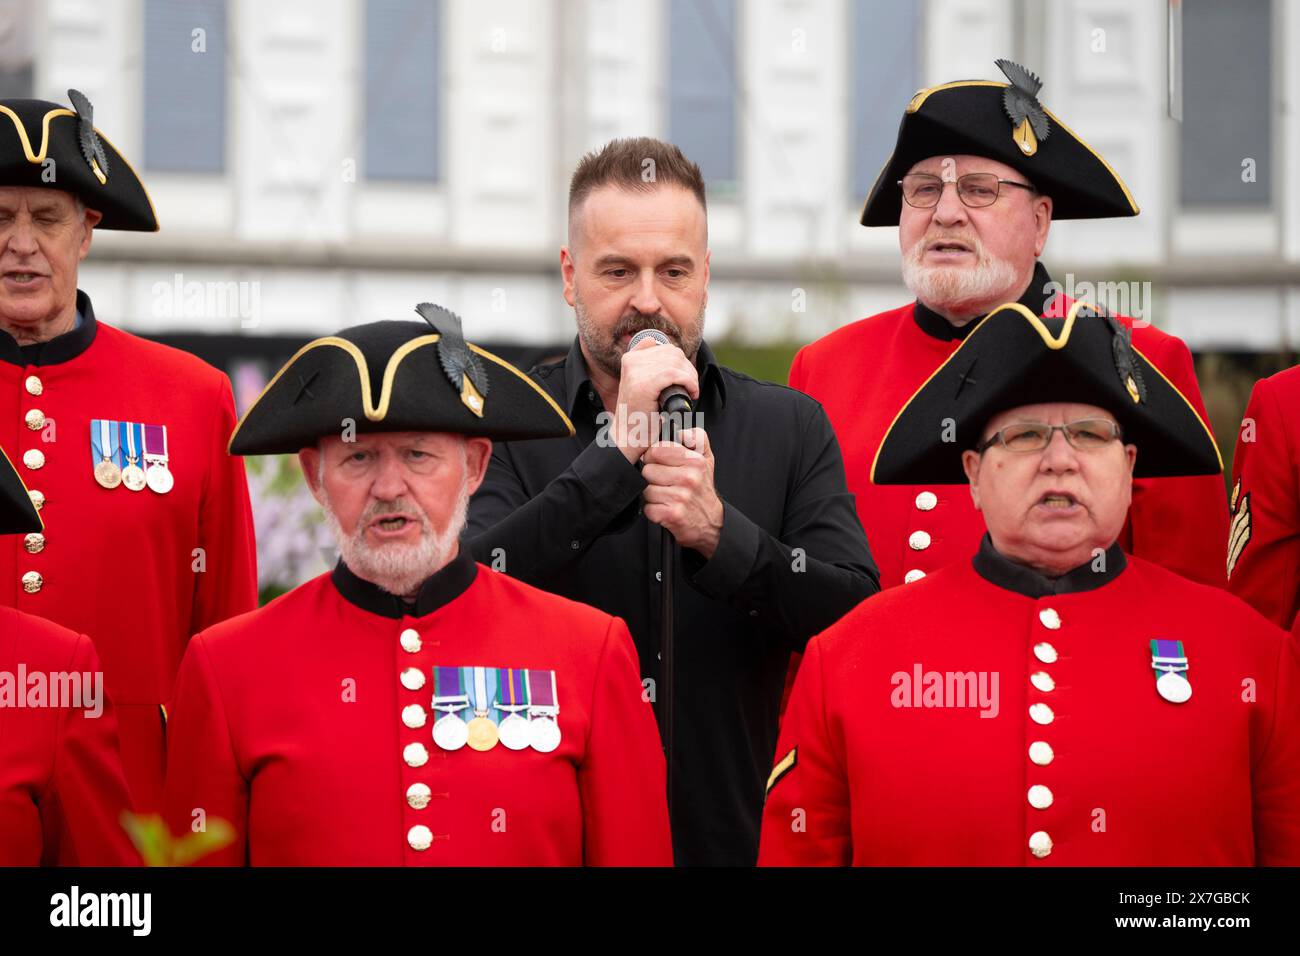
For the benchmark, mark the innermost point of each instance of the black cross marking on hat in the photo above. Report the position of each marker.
(304, 390)
(965, 379)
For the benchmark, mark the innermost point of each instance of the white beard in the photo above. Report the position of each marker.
(400, 568)
(961, 291)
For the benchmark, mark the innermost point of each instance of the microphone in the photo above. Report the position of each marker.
(674, 399)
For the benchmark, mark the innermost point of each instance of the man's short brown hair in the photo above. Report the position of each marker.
(640, 162)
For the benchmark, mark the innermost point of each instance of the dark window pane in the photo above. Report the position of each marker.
(884, 72)
(1227, 102)
(184, 89)
(702, 85)
(403, 72)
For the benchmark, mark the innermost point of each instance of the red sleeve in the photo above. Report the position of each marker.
(1264, 543)
(806, 817)
(1180, 523)
(228, 584)
(202, 771)
(1275, 774)
(622, 777)
(81, 812)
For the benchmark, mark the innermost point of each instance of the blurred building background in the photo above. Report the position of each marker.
(318, 163)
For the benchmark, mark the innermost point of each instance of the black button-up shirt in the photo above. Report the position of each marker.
(565, 515)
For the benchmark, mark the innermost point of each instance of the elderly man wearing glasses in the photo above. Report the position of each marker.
(1013, 168)
(1049, 701)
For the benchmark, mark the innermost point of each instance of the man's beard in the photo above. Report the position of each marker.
(961, 291)
(399, 568)
(606, 350)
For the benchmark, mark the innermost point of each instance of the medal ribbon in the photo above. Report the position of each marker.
(448, 690)
(484, 682)
(1168, 656)
(155, 443)
(541, 691)
(512, 692)
(102, 435)
(130, 440)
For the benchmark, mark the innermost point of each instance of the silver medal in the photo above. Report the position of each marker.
(514, 732)
(450, 732)
(543, 733)
(1174, 687)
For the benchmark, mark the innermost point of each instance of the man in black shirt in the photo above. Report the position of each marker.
(771, 549)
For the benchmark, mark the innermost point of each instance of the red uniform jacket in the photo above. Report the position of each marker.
(124, 566)
(264, 735)
(864, 373)
(62, 790)
(1109, 774)
(1264, 541)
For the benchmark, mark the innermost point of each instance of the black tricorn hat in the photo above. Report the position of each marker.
(397, 377)
(48, 146)
(1004, 122)
(1013, 358)
(17, 513)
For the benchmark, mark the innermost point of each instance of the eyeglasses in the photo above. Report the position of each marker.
(1087, 434)
(923, 190)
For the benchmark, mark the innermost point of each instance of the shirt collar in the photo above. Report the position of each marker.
(61, 348)
(447, 584)
(998, 569)
(1035, 299)
(577, 380)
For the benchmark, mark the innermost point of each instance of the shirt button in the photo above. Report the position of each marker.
(411, 642)
(419, 837)
(1040, 797)
(1042, 681)
(1051, 620)
(35, 419)
(574, 544)
(1045, 652)
(32, 582)
(926, 501)
(417, 796)
(1040, 752)
(34, 459)
(914, 575)
(1040, 844)
(34, 543)
(918, 540)
(753, 614)
(33, 385)
(1041, 714)
(415, 755)
(412, 678)
(659, 575)
(414, 716)
(38, 499)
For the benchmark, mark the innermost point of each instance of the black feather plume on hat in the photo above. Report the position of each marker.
(1020, 99)
(91, 147)
(458, 361)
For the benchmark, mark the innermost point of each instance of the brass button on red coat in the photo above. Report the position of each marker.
(1040, 752)
(33, 385)
(33, 582)
(1040, 844)
(34, 543)
(412, 678)
(410, 639)
(34, 459)
(38, 499)
(419, 837)
(35, 419)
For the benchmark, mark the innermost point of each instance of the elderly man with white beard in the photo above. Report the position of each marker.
(979, 172)
(412, 708)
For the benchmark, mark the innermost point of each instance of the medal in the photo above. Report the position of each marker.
(512, 698)
(482, 730)
(1170, 664)
(157, 477)
(543, 729)
(450, 732)
(132, 475)
(103, 438)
